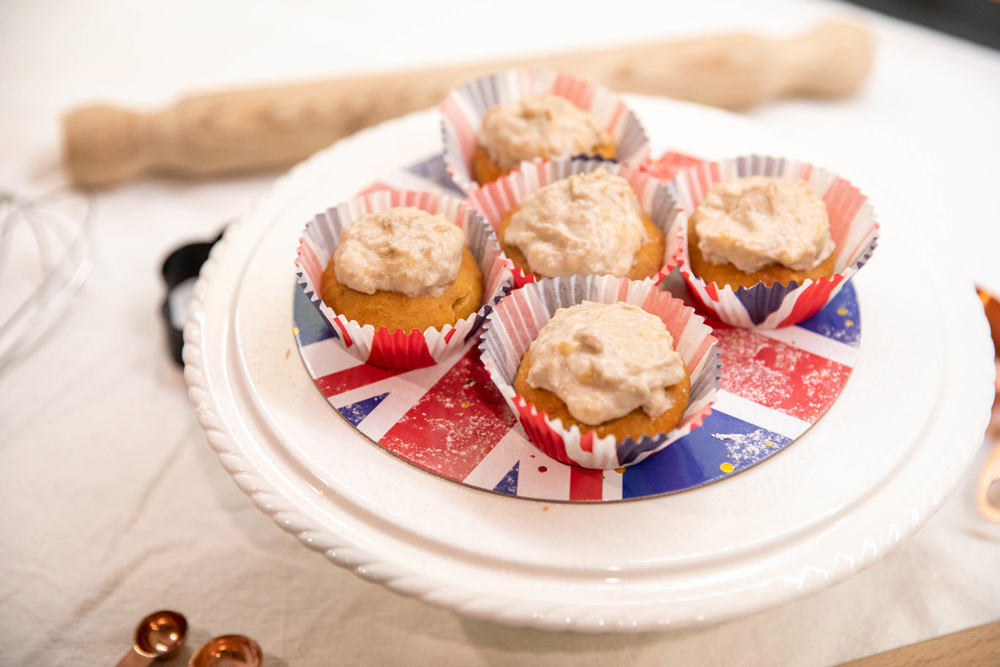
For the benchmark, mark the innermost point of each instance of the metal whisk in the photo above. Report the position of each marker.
(44, 260)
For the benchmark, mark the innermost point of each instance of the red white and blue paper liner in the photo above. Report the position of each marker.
(853, 227)
(516, 321)
(463, 110)
(494, 200)
(450, 420)
(401, 349)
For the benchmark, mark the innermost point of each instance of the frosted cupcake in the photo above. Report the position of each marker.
(769, 241)
(577, 216)
(492, 124)
(537, 126)
(602, 371)
(760, 229)
(402, 268)
(403, 278)
(607, 368)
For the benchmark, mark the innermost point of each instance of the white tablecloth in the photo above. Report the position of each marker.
(113, 505)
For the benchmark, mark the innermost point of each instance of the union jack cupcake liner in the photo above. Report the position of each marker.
(462, 112)
(853, 227)
(496, 199)
(400, 349)
(516, 321)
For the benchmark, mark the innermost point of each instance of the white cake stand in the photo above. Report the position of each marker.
(865, 477)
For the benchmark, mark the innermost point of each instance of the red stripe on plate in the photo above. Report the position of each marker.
(352, 378)
(777, 375)
(585, 484)
(428, 435)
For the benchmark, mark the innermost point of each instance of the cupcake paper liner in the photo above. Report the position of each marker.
(669, 164)
(462, 112)
(853, 228)
(400, 349)
(495, 199)
(516, 321)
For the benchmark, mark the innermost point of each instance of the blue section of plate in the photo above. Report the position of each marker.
(839, 320)
(435, 170)
(356, 412)
(508, 484)
(721, 447)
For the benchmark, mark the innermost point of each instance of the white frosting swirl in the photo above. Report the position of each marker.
(401, 249)
(586, 223)
(605, 360)
(756, 221)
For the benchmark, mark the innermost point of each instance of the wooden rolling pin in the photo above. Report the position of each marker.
(242, 130)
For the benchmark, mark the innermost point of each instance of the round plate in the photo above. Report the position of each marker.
(863, 477)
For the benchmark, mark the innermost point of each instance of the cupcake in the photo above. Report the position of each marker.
(575, 216)
(494, 123)
(769, 241)
(403, 278)
(607, 368)
(760, 229)
(602, 371)
(536, 126)
(402, 268)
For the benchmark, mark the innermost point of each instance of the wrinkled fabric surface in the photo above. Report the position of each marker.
(112, 505)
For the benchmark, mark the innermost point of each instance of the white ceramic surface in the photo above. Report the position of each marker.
(866, 476)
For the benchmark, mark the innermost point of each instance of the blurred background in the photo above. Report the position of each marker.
(927, 108)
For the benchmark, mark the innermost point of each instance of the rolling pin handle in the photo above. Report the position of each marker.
(831, 60)
(104, 145)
